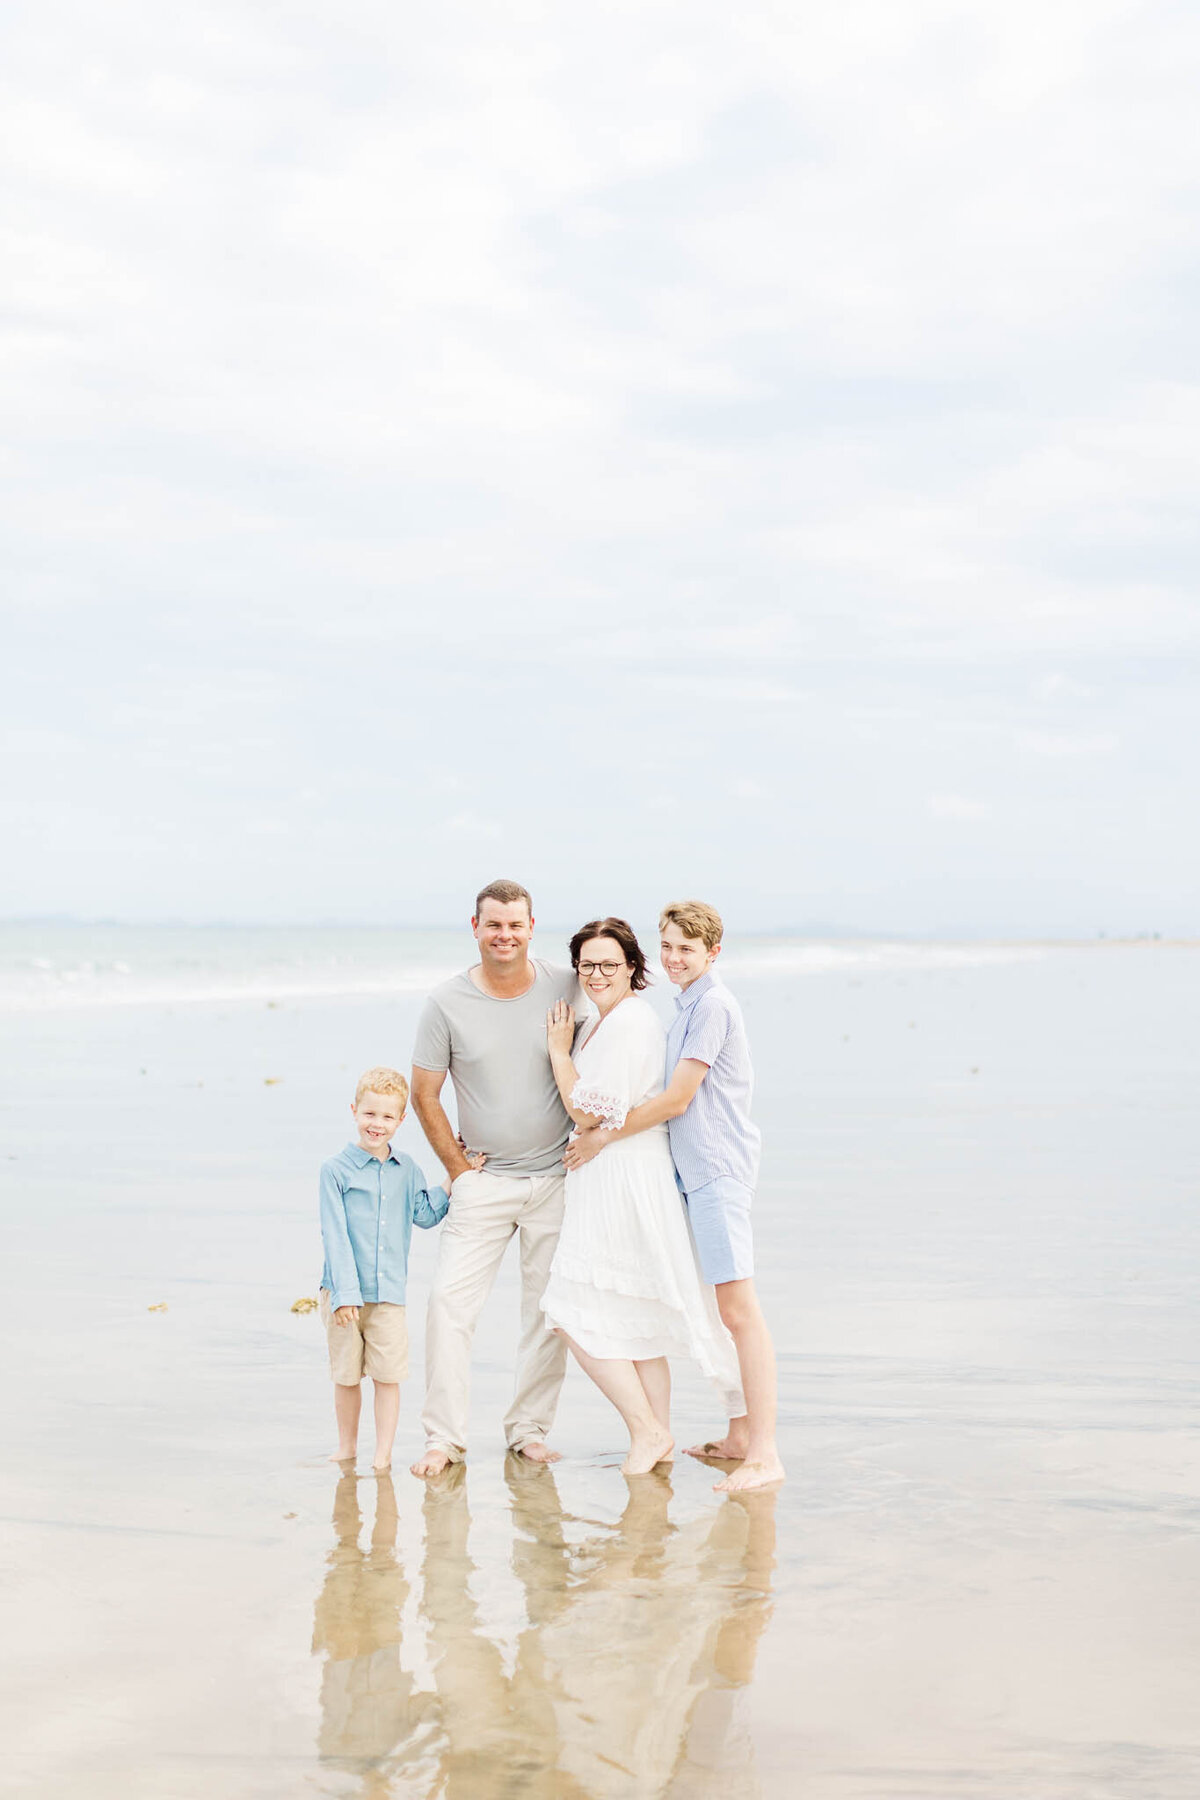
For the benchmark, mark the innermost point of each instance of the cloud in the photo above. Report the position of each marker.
(956, 806)
(577, 408)
(1056, 686)
(1064, 743)
(471, 827)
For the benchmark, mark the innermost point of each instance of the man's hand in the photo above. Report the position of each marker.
(589, 1143)
(457, 1163)
(473, 1160)
(346, 1315)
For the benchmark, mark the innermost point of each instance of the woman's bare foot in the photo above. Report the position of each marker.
(644, 1452)
(730, 1448)
(751, 1475)
(432, 1463)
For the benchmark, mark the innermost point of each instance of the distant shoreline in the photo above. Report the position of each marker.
(812, 934)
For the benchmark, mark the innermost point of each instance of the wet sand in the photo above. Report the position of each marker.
(980, 1249)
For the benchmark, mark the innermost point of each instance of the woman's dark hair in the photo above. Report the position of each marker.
(622, 934)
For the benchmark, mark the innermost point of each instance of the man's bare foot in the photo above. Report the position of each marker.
(342, 1455)
(726, 1449)
(537, 1452)
(645, 1452)
(751, 1475)
(432, 1463)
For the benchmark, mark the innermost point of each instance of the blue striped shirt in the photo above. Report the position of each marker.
(368, 1209)
(715, 1136)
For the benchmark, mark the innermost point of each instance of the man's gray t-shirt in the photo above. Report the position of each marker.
(495, 1050)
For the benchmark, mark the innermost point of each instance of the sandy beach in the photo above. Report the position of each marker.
(979, 1251)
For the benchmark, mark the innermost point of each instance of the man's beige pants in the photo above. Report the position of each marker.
(485, 1211)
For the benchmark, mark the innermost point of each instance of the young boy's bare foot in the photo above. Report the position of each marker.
(381, 1468)
(434, 1462)
(644, 1452)
(344, 1455)
(752, 1475)
(537, 1452)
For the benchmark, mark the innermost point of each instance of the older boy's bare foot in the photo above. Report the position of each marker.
(432, 1463)
(644, 1452)
(730, 1448)
(751, 1475)
(537, 1452)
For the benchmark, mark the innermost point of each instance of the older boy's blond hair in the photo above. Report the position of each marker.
(695, 920)
(382, 1081)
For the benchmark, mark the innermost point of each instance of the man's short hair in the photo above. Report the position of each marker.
(382, 1081)
(507, 892)
(695, 920)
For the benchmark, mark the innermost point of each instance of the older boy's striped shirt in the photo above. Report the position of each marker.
(716, 1135)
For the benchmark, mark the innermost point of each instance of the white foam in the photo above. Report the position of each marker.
(82, 987)
(884, 956)
(225, 971)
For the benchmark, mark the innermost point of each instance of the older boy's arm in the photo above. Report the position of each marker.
(427, 1085)
(345, 1289)
(675, 1099)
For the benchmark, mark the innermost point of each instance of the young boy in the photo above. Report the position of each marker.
(706, 1104)
(371, 1196)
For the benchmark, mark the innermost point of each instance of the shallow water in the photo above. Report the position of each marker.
(979, 1251)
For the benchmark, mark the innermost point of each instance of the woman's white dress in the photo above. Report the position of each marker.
(625, 1281)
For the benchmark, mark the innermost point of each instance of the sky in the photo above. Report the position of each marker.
(652, 450)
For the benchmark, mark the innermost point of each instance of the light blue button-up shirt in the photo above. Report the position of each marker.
(368, 1209)
(716, 1135)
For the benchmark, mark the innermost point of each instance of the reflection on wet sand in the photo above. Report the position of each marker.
(630, 1671)
(370, 1710)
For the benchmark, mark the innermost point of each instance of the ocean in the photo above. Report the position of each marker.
(979, 1251)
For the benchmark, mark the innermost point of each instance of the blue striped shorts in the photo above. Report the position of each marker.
(719, 1215)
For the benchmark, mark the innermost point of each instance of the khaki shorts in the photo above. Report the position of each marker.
(376, 1346)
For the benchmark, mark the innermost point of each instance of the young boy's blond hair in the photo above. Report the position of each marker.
(382, 1081)
(695, 920)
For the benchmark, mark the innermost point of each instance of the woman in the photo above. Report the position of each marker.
(624, 1289)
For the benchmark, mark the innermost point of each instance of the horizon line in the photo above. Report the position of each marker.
(809, 930)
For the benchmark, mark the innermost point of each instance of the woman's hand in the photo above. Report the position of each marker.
(560, 1028)
(589, 1143)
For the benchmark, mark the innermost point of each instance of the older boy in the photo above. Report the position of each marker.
(371, 1196)
(706, 1103)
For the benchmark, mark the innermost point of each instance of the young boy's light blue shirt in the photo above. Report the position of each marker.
(368, 1209)
(716, 1135)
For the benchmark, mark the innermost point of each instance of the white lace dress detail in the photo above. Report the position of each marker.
(625, 1281)
(608, 1108)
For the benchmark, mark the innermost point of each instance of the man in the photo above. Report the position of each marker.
(487, 1029)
